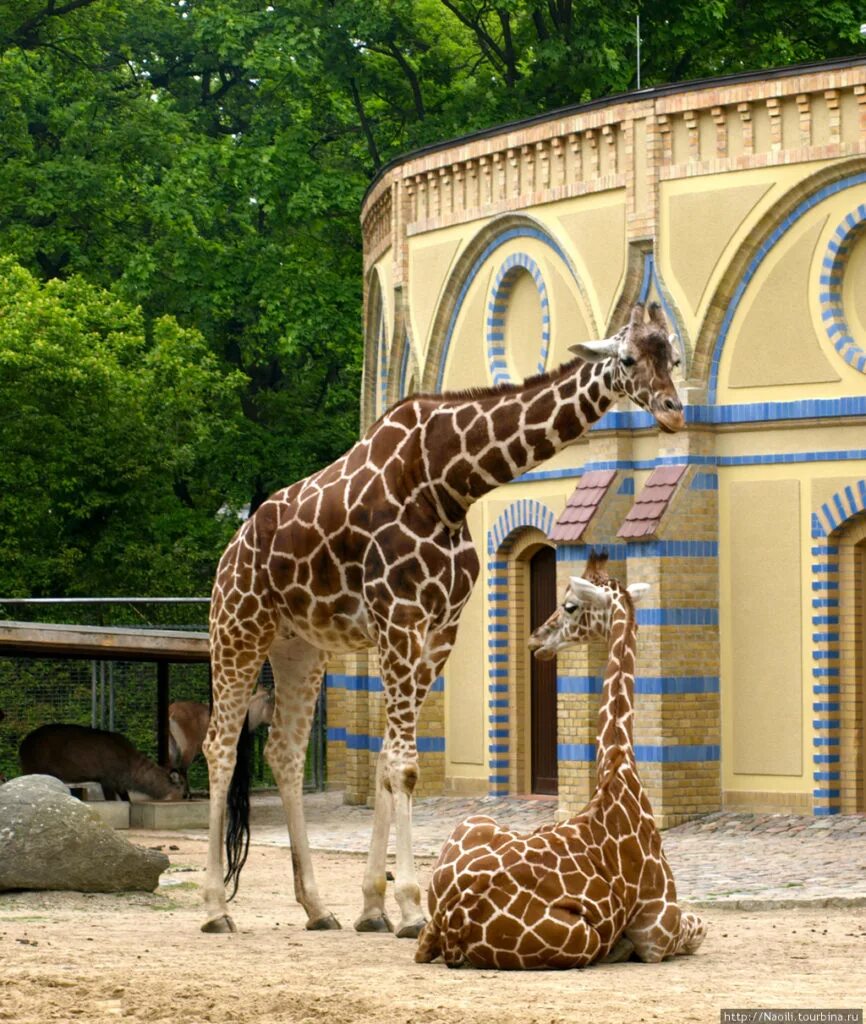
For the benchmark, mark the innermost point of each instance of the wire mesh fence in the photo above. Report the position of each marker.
(120, 696)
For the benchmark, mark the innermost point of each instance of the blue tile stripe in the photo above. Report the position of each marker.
(372, 684)
(674, 753)
(765, 459)
(521, 514)
(363, 741)
(677, 616)
(772, 239)
(652, 685)
(638, 549)
(826, 800)
(849, 502)
(503, 239)
(832, 311)
(497, 309)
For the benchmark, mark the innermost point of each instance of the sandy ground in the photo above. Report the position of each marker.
(142, 957)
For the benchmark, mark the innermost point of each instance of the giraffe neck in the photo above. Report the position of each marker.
(476, 442)
(616, 714)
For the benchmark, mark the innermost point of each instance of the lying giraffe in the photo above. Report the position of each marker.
(596, 887)
(374, 551)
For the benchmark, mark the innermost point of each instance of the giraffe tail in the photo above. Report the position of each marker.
(238, 811)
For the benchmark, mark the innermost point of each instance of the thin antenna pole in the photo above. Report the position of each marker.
(637, 33)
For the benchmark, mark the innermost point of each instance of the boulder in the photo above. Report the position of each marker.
(50, 840)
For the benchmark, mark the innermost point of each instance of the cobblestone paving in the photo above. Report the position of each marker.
(725, 859)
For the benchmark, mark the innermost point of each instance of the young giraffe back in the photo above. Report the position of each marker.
(594, 887)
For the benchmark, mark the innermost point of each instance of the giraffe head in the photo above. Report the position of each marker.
(644, 355)
(585, 613)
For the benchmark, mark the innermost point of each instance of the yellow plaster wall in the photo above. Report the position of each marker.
(431, 258)
(763, 666)
(467, 358)
(595, 229)
(384, 268)
(699, 232)
(523, 327)
(466, 674)
(854, 289)
(702, 223)
(776, 616)
(467, 364)
(776, 342)
(777, 348)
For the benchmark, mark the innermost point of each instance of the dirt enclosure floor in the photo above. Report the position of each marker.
(142, 957)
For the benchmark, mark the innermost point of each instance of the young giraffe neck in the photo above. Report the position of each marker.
(616, 713)
(477, 442)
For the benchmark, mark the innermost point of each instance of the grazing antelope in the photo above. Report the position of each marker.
(188, 721)
(76, 753)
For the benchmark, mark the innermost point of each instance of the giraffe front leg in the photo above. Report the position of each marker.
(373, 917)
(403, 772)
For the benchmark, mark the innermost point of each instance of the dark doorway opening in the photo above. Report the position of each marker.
(542, 603)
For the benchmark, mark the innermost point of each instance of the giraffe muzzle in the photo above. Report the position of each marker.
(668, 412)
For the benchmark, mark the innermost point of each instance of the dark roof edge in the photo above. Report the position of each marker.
(786, 71)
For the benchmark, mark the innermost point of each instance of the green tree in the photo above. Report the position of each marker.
(114, 441)
(206, 160)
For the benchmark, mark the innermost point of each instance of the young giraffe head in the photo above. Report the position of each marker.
(585, 612)
(644, 355)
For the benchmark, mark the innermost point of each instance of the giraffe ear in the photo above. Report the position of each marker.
(589, 593)
(638, 591)
(596, 351)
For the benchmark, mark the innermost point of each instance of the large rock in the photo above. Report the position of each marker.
(50, 840)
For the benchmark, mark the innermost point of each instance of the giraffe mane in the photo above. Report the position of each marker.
(510, 388)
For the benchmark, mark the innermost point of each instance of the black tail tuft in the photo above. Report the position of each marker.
(238, 811)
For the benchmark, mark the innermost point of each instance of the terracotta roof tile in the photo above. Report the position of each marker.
(651, 504)
(582, 504)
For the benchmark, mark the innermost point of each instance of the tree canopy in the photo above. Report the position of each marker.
(180, 184)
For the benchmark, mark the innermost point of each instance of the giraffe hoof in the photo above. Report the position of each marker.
(374, 924)
(328, 923)
(219, 925)
(411, 931)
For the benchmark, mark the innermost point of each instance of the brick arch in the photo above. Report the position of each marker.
(775, 223)
(488, 240)
(838, 655)
(523, 524)
(497, 307)
(845, 237)
(375, 350)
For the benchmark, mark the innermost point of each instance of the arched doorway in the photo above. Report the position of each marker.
(542, 603)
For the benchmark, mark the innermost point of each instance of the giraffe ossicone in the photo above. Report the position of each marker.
(374, 551)
(594, 888)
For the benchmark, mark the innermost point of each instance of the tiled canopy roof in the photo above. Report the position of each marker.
(582, 505)
(651, 504)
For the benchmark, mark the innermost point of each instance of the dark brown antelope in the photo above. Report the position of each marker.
(188, 721)
(75, 753)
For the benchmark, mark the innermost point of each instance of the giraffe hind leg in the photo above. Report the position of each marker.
(298, 668)
(233, 681)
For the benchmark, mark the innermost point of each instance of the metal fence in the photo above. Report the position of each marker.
(120, 696)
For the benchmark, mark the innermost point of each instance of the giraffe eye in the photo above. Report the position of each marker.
(570, 608)
(627, 361)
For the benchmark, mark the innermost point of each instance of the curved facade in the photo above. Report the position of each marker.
(740, 205)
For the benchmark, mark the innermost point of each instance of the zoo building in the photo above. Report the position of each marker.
(738, 204)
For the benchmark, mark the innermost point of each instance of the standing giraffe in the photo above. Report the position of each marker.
(594, 887)
(374, 551)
